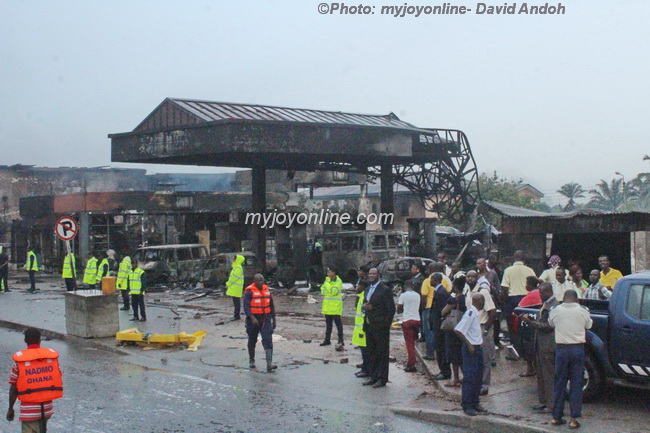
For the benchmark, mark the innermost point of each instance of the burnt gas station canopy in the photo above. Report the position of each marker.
(436, 164)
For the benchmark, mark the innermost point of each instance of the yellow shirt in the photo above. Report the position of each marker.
(428, 291)
(514, 278)
(610, 279)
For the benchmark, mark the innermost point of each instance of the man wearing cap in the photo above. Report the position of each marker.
(332, 290)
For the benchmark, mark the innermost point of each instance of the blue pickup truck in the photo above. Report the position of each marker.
(618, 344)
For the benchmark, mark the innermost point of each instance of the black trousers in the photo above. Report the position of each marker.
(70, 284)
(441, 352)
(32, 279)
(237, 303)
(329, 318)
(125, 299)
(138, 304)
(378, 344)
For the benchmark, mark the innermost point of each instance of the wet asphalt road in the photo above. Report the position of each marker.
(105, 392)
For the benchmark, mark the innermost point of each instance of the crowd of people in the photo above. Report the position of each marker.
(460, 313)
(457, 314)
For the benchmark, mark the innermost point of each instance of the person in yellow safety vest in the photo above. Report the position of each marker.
(137, 283)
(90, 274)
(122, 282)
(35, 380)
(69, 273)
(31, 265)
(102, 269)
(358, 335)
(235, 285)
(332, 290)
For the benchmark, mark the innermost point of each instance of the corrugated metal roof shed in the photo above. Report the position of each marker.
(520, 212)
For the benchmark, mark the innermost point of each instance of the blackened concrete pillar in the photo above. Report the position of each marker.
(387, 199)
(258, 182)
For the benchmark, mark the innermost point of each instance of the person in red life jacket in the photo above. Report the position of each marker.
(260, 318)
(35, 380)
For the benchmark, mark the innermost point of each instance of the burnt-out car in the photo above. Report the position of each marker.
(169, 263)
(216, 271)
(395, 271)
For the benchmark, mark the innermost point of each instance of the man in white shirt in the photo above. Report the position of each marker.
(570, 321)
(408, 305)
(561, 284)
(487, 317)
(470, 333)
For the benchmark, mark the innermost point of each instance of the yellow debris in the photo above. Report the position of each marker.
(148, 340)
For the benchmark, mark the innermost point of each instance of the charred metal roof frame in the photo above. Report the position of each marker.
(436, 164)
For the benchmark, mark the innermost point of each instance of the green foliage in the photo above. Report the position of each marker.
(495, 188)
(571, 191)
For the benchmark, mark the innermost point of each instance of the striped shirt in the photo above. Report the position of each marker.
(30, 411)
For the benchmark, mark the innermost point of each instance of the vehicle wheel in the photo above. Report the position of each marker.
(397, 287)
(594, 379)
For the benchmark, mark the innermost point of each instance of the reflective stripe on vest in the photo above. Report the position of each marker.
(358, 335)
(123, 273)
(39, 377)
(68, 266)
(261, 300)
(90, 274)
(100, 270)
(34, 266)
(333, 296)
(135, 281)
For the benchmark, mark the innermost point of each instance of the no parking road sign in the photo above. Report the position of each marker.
(66, 228)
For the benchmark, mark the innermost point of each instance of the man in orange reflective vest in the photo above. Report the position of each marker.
(35, 380)
(260, 318)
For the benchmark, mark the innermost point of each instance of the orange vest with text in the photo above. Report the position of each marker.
(261, 301)
(39, 377)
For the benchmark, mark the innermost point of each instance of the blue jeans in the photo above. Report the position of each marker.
(569, 367)
(429, 334)
(472, 377)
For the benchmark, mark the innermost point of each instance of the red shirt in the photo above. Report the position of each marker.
(532, 298)
(30, 411)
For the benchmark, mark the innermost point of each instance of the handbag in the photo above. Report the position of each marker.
(451, 320)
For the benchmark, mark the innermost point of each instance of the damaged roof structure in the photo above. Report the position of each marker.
(435, 164)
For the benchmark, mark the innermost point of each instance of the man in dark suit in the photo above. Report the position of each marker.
(379, 307)
(544, 348)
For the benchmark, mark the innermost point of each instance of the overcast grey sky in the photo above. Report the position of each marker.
(550, 99)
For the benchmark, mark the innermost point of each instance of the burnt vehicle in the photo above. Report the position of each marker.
(216, 270)
(171, 263)
(348, 250)
(395, 271)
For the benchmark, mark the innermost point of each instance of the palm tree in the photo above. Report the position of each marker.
(610, 197)
(640, 190)
(571, 191)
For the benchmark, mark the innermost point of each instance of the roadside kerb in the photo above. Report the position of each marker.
(430, 374)
(108, 345)
(475, 424)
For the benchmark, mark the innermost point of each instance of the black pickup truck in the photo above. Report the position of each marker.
(618, 344)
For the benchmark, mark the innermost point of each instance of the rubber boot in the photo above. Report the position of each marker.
(269, 360)
(251, 357)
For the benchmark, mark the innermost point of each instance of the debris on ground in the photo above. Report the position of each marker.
(306, 341)
(151, 341)
(344, 360)
(311, 299)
